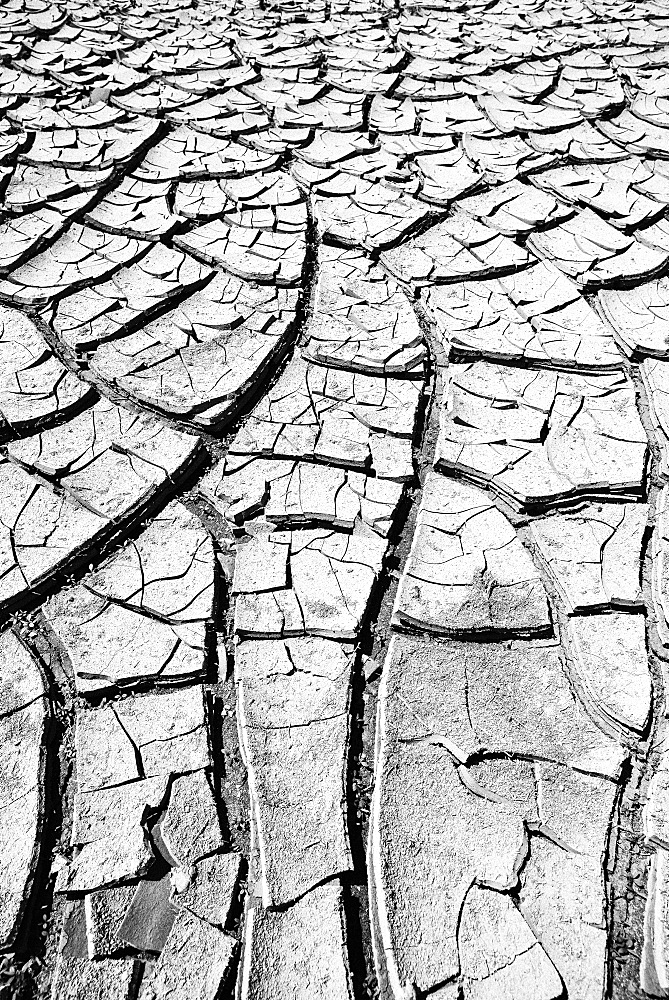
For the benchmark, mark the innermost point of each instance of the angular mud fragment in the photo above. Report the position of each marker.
(467, 571)
(105, 911)
(149, 917)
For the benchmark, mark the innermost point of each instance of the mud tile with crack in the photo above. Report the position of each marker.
(639, 317)
(362, 321)
(594, 555)
(634, 135)
(195, 961)
(579, 143)
(35, 186)
(112, 648)
(530, 676)
(74, 976)
(146, 739)
(588, 83)
(265, 201)
(660, 566)
(563, 893)
(38, 116)
(430, 839)
(504, 157)
(190, 828)
(655, 377)
(169, 730)
(80, 456)
(293, 719)
(320, 583)
(275, 964)
(105, 311)
(486, 842)
(81, 255)
(343, 418)
(200, 361)
(252, 254)
(595, 253)
(467, 571)
(540, 438)
(446, 175)
(108, 836)
(25, 236)
(480, 318)
(144, 615)
(515, 208)
(207, 889)
(185, 153)
(93, 148)
(154, 98)
(293, 494)
(24, 720)
(499, 952)
(35, 386)
(94, 473)
(135, 208)
(654, 964)
(455, 250)
(609, 669)
(372, 217)
(611, 189)
(510, 115)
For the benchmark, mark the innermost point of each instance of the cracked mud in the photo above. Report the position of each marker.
(334, 500)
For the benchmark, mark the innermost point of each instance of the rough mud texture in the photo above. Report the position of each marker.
(334, 500)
